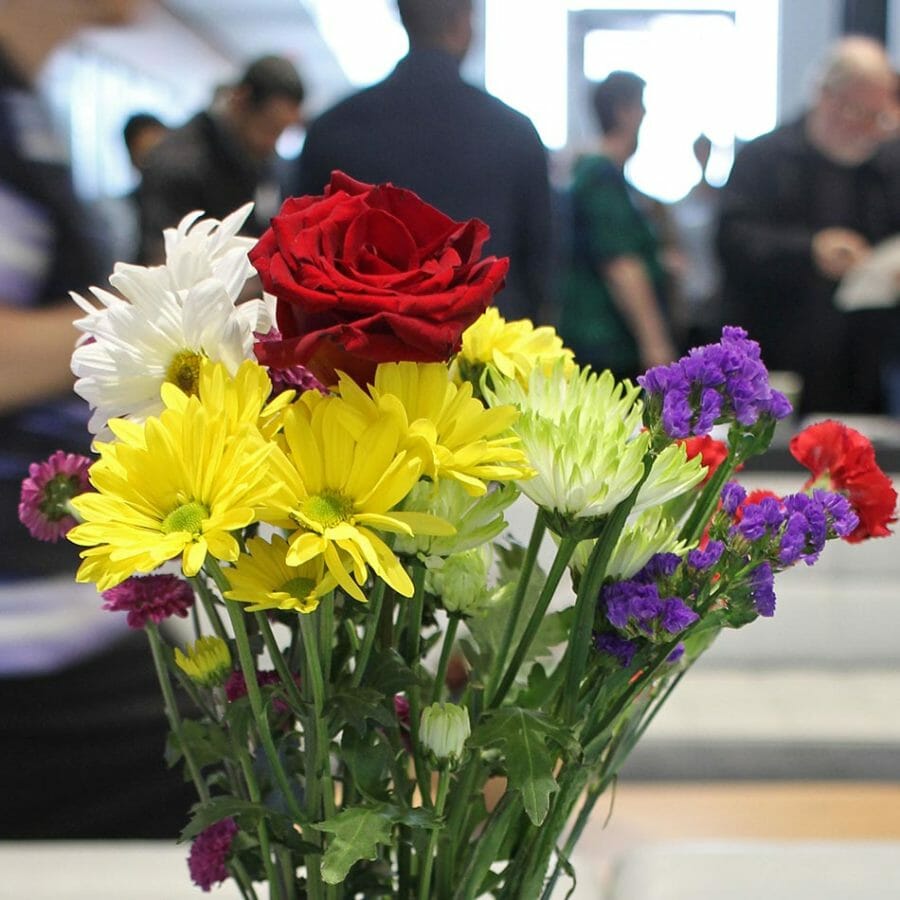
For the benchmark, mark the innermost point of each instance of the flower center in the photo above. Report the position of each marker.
(184, 371)
(298, 587)
(187, 517)
(58, 491)
(327, 509)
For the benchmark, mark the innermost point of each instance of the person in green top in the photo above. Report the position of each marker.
(613, 312)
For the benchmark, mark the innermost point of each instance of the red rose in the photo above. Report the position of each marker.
(367, 274)
(841, 459)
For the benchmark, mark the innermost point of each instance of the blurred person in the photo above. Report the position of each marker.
(120, 216)
(803, 206)
(457, 147)
(695, 217)
(224, 156)
(614, 302)
(82, 730)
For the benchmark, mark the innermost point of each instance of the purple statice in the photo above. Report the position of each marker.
(44, 499)
(733, 495)
(615, 645)
(762, 589)
(659, 566)
(676, 654)
(766, 516)
(716, 382)
(842, 519)
(805, 530)
(150, 598)
(707, 557)
(209, 851)
(637, 608)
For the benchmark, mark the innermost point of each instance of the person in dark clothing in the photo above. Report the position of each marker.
(613, 314)
(82, 731)
(803, 205)
(223, 157)
(457, 147)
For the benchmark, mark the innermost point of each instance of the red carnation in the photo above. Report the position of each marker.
(712, 452)
(367, 274)
(841, 459)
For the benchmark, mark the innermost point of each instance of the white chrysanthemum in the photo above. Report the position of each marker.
(167, 323)
(644, 536)
(671, 475)
(582, 435)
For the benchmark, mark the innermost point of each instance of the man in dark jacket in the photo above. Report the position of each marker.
(222, 157)
(457, 147)
(803, 206)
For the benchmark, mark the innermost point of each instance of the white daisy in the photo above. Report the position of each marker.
(171, 316)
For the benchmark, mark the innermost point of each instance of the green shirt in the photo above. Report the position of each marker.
(606, 225)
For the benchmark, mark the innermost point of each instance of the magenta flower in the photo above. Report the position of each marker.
(209, 851)
(44, 501)
(150, 598)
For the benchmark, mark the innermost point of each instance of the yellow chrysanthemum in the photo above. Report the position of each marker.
(243, 397)
(178, 485)
(455, 435)
(207, 661)
(513, 348)
(344, 484)
(263, 577)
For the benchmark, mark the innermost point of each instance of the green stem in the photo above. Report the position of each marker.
(428, 862)
(534, 545)
(484, 853)
(371, 632)
(561, 561)
(706, 503)
(171, 706)
(447, 648)
(317, 683)
(586, 598)
(209, 606)
(281, 666)
(262, 828)
(260, 713)
(412, 647)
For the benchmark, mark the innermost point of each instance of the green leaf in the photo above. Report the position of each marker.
(355, 708)
(357, 833)
(369, 760)
(206, 814)
(523, 735)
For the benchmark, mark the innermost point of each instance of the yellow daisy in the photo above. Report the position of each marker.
(513, 348)
(455, 434)
(344, 485)
(243, 397)
(178, 485)
(263, 577)
(207, 661)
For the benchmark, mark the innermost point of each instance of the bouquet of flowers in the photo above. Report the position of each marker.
(320, 478)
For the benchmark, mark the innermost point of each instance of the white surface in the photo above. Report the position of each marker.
(100, 870)
(753, 870)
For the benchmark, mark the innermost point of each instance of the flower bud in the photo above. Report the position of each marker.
(444, 730)
(207, 662)
(461, 582)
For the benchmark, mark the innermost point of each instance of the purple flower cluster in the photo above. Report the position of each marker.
(700, 560)
(713, 383)
(733, 495)
(638, 609)
(150, 598)
(617, 646)
(209, 851)
(799, 524)
(762, 589)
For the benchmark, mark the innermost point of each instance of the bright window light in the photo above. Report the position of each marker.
(366, 38)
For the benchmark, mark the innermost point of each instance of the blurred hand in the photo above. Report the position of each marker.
(837, 250)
